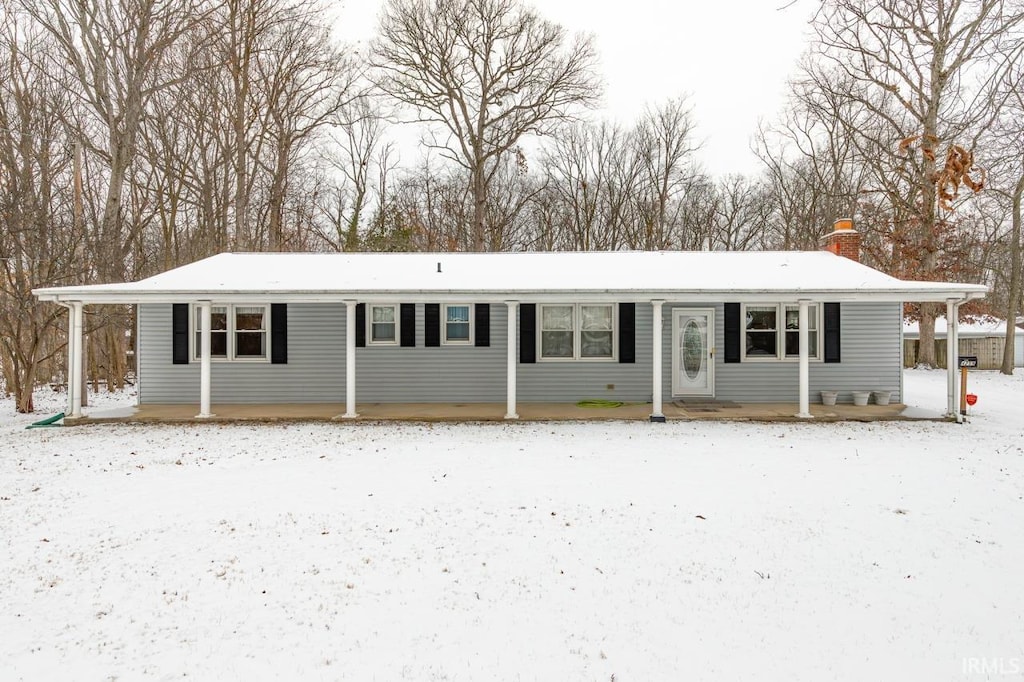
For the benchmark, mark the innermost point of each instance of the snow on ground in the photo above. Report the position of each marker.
(528, 551)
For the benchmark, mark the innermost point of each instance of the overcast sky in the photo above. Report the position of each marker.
(732, 57)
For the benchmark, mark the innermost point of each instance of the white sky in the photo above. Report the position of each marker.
(732, 57)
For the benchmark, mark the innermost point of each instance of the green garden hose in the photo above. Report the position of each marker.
(49, 421)
(597, 402)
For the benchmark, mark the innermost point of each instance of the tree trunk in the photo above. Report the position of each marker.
(1013, 300)
(114, 364)
(926, 345)
(927, 242)
(352, 229)
(240, 238)
(242, 27)
(275, 208)
(25, 365)
(479, 207)
(24, 395)
(109, 265)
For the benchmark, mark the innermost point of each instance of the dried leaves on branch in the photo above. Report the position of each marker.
(956, 171)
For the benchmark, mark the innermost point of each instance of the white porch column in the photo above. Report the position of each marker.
(952, 351)
(656, 374)
(350, 360)
(75, 342)
(512, 329)
(805, 365)
(71, 358)
(205, 351)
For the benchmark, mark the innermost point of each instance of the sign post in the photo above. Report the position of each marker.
(965, 361)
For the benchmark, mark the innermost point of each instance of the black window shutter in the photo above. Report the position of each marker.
(831, 315)
(482, 325)
(179, 334)
(408, 325)
(278, 333)
(360, 325)
(527, 332)
(627, 332)
(733, 332)
(432, 324)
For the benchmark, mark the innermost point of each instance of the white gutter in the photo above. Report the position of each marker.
(525, 296)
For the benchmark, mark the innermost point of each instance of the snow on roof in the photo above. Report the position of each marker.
(986, 326)
(671, 272)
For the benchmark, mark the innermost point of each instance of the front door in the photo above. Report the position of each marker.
(693, 365)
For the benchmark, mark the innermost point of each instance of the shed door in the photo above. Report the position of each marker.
(693, 366)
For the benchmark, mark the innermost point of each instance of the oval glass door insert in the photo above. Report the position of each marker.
(693, 350)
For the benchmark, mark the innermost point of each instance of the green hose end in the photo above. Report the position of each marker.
(48, 422)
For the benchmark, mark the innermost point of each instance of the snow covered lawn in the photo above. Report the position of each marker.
(567, 551)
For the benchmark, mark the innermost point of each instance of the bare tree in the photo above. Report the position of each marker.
(1015, 294)
(812, 165)
(742, 211)
(245, 22)
(482, 73)
(154, 99)
(592, 173)
(307, 83)
(359, 150)
(230, 147)
(701, 199)
(913, 71)
(176, 148)
(38, 242)
(116, 51)
(513, 190)
(1007, 134)
(665, 144)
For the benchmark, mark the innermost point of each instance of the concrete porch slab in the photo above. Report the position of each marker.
(476, 412)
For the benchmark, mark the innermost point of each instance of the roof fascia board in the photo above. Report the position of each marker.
(676, 296)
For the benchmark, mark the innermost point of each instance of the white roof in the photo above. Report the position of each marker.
(986, 326)
(697, 276)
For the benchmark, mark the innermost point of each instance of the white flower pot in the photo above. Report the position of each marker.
(861, 397)
(829, 397)
(882, 397)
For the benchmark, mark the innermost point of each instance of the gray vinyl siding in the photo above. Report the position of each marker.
(315, 372)
(570, 381)
(439, 374)
(871, 360)
(449, 373)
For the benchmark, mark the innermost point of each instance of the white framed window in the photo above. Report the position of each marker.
(771, 332)
(218, 332)
(237, 332)
(383, 325)
(597, 331)
(250, 325)
(557, 338)
(578, 331)
(458, 324)
(761, 328)
(792, 348)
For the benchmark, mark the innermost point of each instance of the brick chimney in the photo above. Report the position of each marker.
(843, 240)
